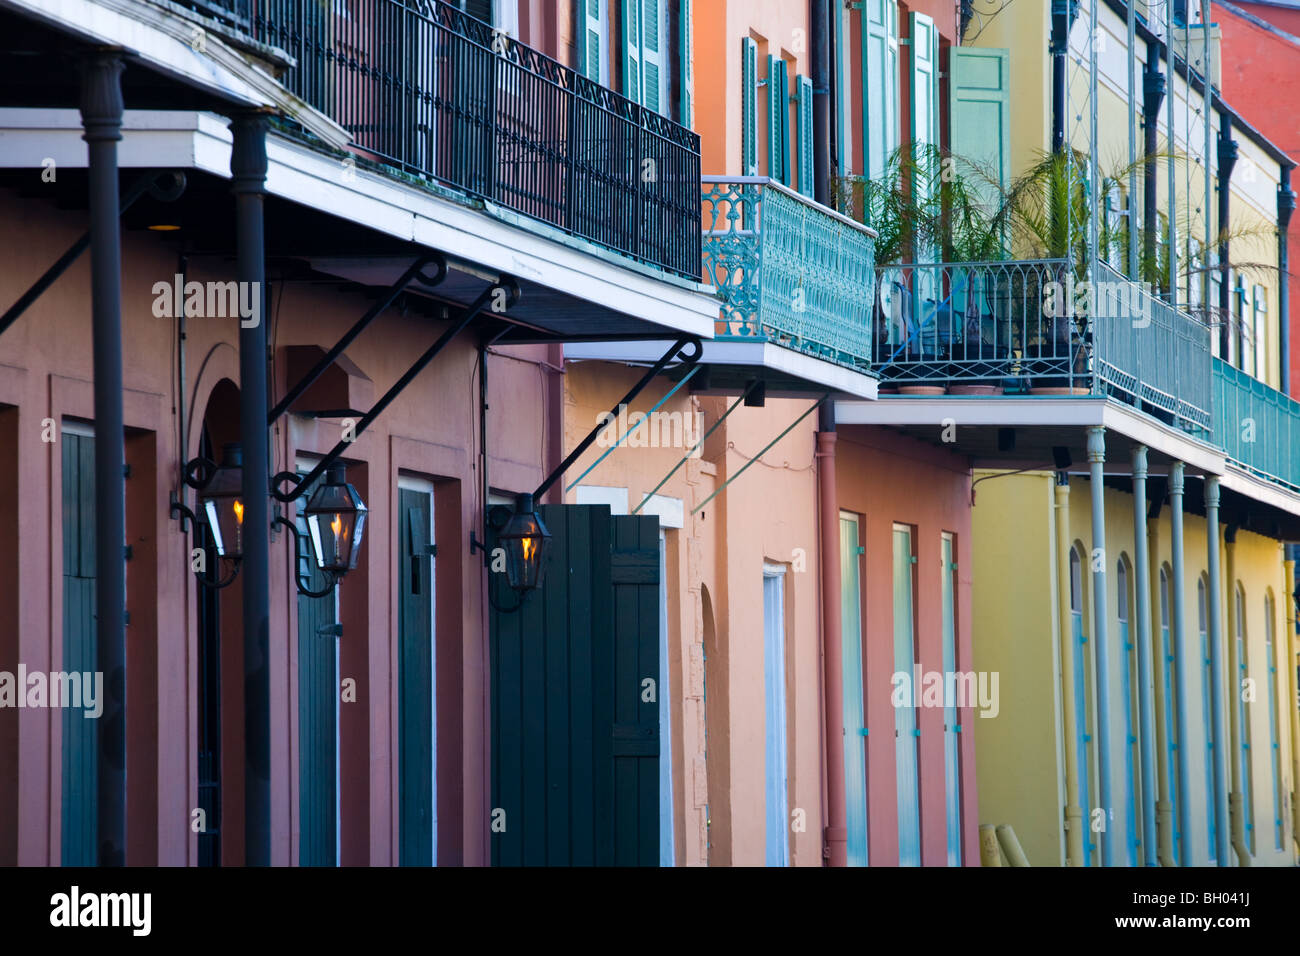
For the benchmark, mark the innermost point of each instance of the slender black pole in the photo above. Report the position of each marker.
(101, 117)
(821, 81)
(1285, 209)
(248, 173)
(1228, 152)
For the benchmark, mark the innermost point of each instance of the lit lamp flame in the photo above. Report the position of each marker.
(239, 525)
(336, 526)
(530, 545)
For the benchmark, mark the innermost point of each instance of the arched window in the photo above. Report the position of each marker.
(1130, 684)
(1274, 752)
(1243, 721)
(1167, 670)
(1083, 700)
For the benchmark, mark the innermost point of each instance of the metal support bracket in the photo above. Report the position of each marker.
(413, 274)
(677, 350)
(299, 484)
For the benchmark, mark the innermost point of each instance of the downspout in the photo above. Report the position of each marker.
(836, 846)
(1063, 14)
(1153, 94)
(1292, 626)
(1235, 802)
(1227, 160)
(821, 81)
(1285, 207)
(1073, 812)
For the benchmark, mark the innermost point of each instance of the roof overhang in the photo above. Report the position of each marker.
(729, 365)
(569, 288)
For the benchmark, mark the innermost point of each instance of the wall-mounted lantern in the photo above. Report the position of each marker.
(336, 518)
(220, 501)
(525, 540)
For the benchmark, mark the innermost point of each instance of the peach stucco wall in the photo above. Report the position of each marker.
(430, 431)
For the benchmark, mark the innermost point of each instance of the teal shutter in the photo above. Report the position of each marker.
(804, 95)
(879, 84)
(687, 65)
(778, 120)
(592, 32)
(749, 107)
(632, 50)
(652, 54)
(924, 101)
(415, 735)
(855, 730)
(980, 109)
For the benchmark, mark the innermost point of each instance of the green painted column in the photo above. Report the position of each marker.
(1101, 634)
(1217, 676)
(1146, 675)
(1182, 661)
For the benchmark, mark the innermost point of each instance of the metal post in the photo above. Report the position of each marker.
(1131, 42)
(1182, 661)
(1070, 730)
(1236, 804)
(1171, 119)
(1209, 156)
(248, 175)
(101, 118)
(1146, 706)
(1285, 209)
(821, 81)
(1218, 679)
(1100, 614)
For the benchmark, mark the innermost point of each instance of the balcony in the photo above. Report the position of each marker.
(1258, 426)
(788, 270)
(1027, 327)
(435, 94)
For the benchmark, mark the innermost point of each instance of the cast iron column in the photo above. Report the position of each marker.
(1218, 679)
(248, 175)
(837, 833)
(1182, 662)
(1101, 634)
(101, 117)
(1146, 706)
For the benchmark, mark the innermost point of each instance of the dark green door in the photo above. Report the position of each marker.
(575, 718)
(318, 716)
(80, 759)
(416, 690)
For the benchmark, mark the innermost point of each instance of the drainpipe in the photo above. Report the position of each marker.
(1292, 626)
(1182, 662)
(1146, 707)
(248, 177)
(1218, 680)
(821, 81)
(1164, 814)
(1153, 94)
(836, 846)
(1101, 634)
(1285, 207)
(1063, 14)
(101, 117)
(1073, 812)
(1235, 802)
(1227, 160)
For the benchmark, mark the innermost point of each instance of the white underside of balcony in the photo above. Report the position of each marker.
(815, 374)
(178, 46)
(491, 241)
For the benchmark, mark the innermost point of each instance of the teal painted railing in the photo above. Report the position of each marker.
(1258, 426)
(1027, 326)
(788, 270)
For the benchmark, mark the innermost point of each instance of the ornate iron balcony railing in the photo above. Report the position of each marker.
(1030, 326)
(442, 96)
(1258, 426)
(788, 270)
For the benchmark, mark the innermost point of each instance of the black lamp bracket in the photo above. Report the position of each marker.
(303, 588)
(189, 522)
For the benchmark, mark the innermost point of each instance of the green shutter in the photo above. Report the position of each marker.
(879, 84)
(416, 745)
(924, 101)
(652, 53)
(687, 65)
(749, 107)
(591, 32)
(980, 109)
(804, 94)
(632, 50)
(778, 120)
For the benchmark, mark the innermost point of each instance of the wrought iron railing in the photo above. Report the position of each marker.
(440, 95)
(1029, 326)
(1258, 426)
(232, 12)
(788, 270)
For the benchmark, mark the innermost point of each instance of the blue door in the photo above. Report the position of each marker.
(951, 719)
(1082, 703)
(855, 730)
(1171, 708)
(416, 730)
(1128, 682)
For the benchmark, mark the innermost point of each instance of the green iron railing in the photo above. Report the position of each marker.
(788, 270)
(1258, 426)
(1030, 326)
